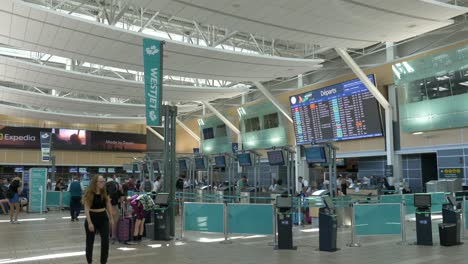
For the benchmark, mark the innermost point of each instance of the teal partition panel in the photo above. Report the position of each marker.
(437, 199)
(53, 199)
(396, 198)
(409, 203)
(377, 219)
(66, 199)
(204, 217)
(465, 204)
(342, 201)
(251, 219)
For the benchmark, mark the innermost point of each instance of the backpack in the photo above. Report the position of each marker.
(179, 184)
(147, 202)
(147, 186)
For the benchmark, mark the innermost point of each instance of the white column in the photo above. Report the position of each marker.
(274, 101)
(188, 130)
(380, 98)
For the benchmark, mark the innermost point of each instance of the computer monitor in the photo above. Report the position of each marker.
(275, 158)
(284, 202)
(328, 202)
(162, 199)
(422, 200)
(220, 161)
(182, 165)
(244, 159)
(451, 200)
(199, 163)
(315, 155)
(156, 166)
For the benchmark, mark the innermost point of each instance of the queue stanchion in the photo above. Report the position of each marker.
(403, 222)
(354, 242)
(464, 218)
(226, 226)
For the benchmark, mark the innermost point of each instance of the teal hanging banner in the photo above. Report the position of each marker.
(152, 58)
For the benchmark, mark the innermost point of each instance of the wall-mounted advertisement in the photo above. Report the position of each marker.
(105, 141)
(21, 137)
(70, 139)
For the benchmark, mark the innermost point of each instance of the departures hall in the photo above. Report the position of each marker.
(234, 131)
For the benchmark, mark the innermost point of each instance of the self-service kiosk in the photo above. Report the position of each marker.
(422, 202)
(450, 228)
(284, 211)
(159, 229)
(328, 226)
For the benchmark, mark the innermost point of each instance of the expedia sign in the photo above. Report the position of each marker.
(20, 137)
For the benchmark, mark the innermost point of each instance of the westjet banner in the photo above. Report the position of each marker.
(152, 60)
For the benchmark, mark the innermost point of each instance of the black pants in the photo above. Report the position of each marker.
(75, 206)
(101, 224)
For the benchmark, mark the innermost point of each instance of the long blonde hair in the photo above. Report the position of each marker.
(92, 190)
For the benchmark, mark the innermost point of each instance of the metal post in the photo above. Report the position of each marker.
(42, 198)
(182, 222)
(226, 226)
(463, 217)
(330, 172)
(275, 239)
(403, 222)
(353, 242)
(288, 171)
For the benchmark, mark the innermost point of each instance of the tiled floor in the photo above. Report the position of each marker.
(57, 240)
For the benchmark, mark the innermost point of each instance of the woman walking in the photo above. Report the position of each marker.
(97, 209)
(13, 195)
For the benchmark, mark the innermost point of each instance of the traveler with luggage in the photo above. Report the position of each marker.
(97, 206)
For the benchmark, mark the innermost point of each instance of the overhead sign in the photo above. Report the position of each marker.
(152, 60)
(45, 146)
(451, 173)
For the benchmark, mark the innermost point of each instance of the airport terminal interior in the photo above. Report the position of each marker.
(233, 131)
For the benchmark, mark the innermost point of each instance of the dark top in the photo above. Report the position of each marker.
(98, 202)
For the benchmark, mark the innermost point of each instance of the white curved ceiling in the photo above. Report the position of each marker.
(330, 23)
(34, 28)
(69, 104)
(33, 74)
(68, 118)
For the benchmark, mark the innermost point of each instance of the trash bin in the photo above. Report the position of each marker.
(448, 234)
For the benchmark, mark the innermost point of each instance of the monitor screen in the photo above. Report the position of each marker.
(182, 165)
(82, 170)
(102, 170)
(284, 202)
(328, 202)
(73, 170)
(244, 159)
(162, 199)
(340, 162)
(276, 157)
(19, 169)
(111, 170)
(315, 155)
(208, 133)
(199, 163)
(342, 111)
(220, 161)
(422, 200)
(452, 200)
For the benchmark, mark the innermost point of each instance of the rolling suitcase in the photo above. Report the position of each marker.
(125, 228)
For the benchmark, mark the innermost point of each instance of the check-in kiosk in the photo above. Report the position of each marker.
(450, 228)
(284, 211)
(159, 229)
(328, 226)
(422, 202)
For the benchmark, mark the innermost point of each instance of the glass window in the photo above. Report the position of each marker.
(252, 124)
(221, 131)
(270, 121)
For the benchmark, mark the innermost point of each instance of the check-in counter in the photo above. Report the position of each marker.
(363, 194)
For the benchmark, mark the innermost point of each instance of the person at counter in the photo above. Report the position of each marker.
(241, 184)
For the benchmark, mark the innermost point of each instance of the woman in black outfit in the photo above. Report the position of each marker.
(97, 207)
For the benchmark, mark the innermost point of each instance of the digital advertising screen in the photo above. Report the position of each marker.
(111, 141)
(343, 111)
(21, 137)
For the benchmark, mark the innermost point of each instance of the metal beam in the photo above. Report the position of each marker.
(201, 32)
(148, 21)
(226, 37)
(380, 98)
(120, 15)
(273, 100)
(223, 118)
(188, 130)
(155, 132)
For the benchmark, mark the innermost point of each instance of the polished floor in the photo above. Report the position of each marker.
(52, 238)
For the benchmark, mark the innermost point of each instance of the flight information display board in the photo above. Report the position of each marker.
(339, 112)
